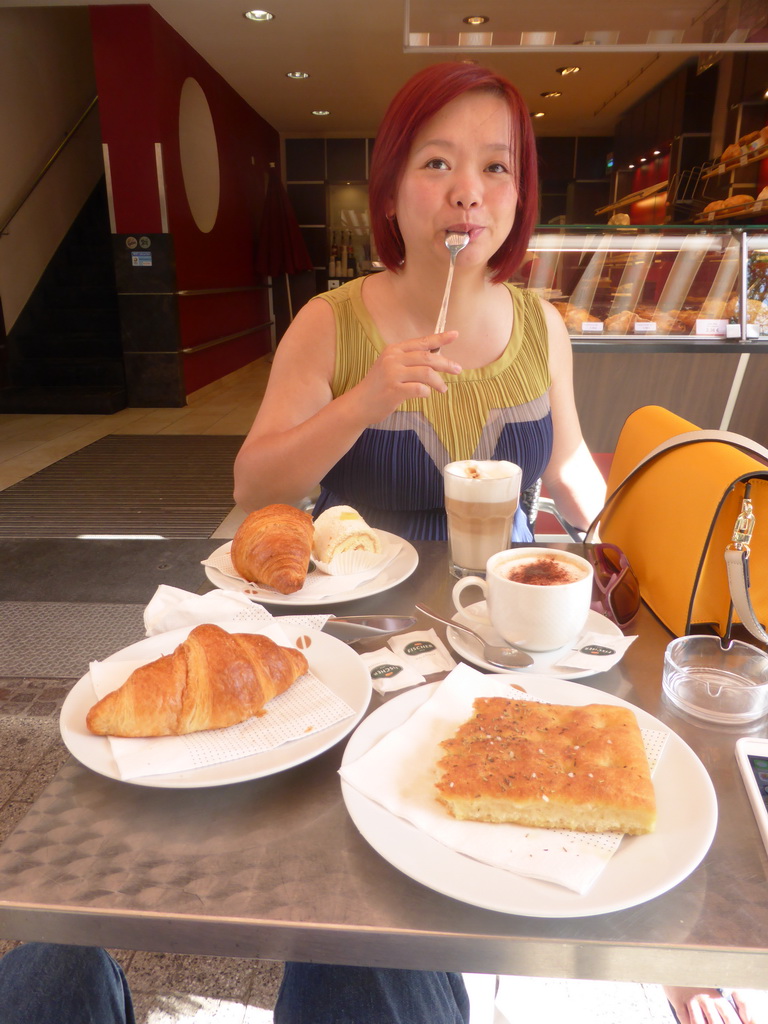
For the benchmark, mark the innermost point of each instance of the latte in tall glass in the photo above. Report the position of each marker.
(481, 497)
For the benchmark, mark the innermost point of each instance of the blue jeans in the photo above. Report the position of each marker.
(42, 983)
(321, 994)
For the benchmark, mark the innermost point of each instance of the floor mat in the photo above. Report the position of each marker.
(57, 640)
(167, 485)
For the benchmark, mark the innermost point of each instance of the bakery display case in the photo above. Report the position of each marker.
(654, 283)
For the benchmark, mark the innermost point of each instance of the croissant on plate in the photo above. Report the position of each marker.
(213, 679)
(272, 547)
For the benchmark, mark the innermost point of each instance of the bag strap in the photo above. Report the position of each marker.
(737, 553)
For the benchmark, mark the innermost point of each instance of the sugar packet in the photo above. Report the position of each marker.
(389, 671)
(424, 649)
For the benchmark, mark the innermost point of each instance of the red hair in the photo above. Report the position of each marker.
(417, 101)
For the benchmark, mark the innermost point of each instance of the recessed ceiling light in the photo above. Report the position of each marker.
(296, 74)
(551, 95)
(321, 113)
(259, 16)
(538, 113)
(657, 152)
(568, 70)
(631, 167)
(476, 19)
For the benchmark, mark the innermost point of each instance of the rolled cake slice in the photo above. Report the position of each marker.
(549, 766)
(341, 529)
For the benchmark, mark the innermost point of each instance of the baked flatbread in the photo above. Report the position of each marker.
(549, 766)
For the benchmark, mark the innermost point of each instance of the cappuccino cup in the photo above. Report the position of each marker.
(481, 497)
(537, 599)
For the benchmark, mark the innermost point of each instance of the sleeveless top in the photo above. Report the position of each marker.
(392, 474)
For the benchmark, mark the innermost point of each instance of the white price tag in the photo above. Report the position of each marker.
(712, 328)
(645, 327)
(592, 327)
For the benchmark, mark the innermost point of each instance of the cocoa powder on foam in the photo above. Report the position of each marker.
(543, 572)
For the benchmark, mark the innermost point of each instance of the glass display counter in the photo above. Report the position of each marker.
(653, 283)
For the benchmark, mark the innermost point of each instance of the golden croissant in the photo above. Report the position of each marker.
(213, 679)
(272, 547)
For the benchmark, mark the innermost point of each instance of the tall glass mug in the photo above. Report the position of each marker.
(481, 498)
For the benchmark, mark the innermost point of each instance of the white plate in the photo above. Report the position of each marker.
(334, 664)
(399, 569)
(543, 661)
(643, 867)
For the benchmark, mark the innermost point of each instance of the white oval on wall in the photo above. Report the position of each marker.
(199, 155)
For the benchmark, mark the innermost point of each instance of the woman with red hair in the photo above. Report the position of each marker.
(363, 397)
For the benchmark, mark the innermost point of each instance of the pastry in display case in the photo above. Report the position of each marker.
(648, 282)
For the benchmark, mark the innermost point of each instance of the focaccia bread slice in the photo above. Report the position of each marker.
(549, 766)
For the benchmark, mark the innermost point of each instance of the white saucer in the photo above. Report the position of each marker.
(543, 662)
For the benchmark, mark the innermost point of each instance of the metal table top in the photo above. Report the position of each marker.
(275, 868)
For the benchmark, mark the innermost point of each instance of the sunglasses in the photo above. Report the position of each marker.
(615, 586)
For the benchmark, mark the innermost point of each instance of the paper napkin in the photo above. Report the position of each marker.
(398, 773)
(172, 608)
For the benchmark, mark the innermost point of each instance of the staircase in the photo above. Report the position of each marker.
(64, 351)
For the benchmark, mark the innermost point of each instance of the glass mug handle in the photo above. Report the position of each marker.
(468, 611)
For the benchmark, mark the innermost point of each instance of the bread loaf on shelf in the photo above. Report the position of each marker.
(732, 152)
(738, 200)
(272, 547)
(212, 680)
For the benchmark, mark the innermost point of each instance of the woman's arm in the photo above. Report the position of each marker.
(572, 477)
(300, 430)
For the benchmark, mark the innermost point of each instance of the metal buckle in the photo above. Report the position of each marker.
(743, 528)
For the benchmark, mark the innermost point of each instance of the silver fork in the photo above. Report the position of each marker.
(454, 243)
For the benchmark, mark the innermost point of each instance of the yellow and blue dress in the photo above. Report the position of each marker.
(393, 473)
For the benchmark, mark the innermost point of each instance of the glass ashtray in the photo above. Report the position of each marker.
(728, 685)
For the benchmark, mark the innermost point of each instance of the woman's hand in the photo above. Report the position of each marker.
(408, 369)
(710, 1006)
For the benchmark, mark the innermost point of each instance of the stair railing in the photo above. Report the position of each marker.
(49, 163)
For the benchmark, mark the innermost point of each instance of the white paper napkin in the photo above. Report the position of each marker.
(307, 706)
(317, 585)
(399, 771)
(172, 608)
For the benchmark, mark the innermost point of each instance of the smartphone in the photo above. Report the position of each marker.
(752, 759)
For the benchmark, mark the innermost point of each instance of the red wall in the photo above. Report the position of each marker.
(141, 64)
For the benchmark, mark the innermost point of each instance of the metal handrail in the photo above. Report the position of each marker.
(49, 163)
(227, 337)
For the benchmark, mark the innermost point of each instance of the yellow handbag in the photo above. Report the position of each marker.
(689, 508)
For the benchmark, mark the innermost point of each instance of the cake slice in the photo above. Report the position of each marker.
(549, 766)
(340, 529)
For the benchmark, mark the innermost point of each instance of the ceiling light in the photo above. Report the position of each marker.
(476, 19)
(568, 70)
(321, 113)
(259, 16)
(657, 152)
(642, 159)
(538, 113)
(551, 95)
(631, 167)
(296, 74)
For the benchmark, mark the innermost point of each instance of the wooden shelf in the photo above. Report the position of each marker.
(635, 197)
(747, 157)
(760, 207)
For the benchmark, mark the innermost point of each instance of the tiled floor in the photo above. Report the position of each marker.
(178, 989)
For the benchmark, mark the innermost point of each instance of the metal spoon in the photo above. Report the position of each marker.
(500, 657)
(454, 243)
